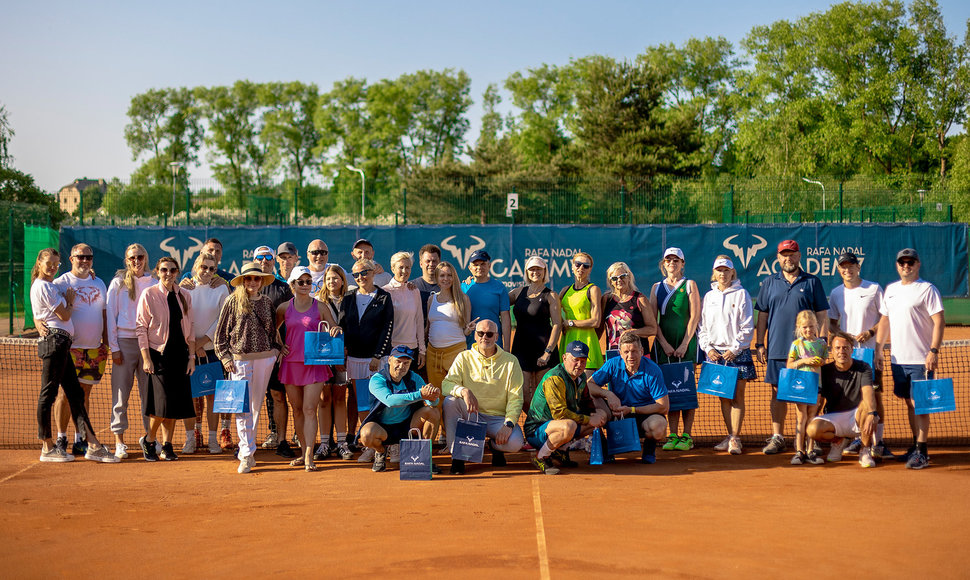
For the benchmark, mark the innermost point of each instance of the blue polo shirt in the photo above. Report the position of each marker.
(396, 396)
(783, 301)
(489, 301)
(641, 389)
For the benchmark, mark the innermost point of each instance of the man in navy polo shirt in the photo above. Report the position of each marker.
(781, 297)
(636, 387)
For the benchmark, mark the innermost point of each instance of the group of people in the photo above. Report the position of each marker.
(429, 352)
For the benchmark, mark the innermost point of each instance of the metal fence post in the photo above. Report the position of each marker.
(840, 201)
(296, 201)
(405, 191)
(188, 207)
(622, 204)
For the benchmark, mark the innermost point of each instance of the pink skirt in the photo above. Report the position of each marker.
(297, 373)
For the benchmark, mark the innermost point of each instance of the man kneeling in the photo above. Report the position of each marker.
(562, 410)
(399, 406)
(850, 401)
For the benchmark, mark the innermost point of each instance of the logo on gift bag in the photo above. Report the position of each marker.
(414, 458)
(933, 395)
(229, 398)
(207, 380)
(717, 380)
(798, 385)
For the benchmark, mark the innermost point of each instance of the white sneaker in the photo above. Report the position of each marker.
(101, 455)
(246, 464)
(189, 447)
(835, 452)
(394, 453)
(865, 457)
(367, 456)
(343, 450)
(121, 451)
(272, 442)
(214, 447)
(55, 455)
(723, 445)
(734, 446)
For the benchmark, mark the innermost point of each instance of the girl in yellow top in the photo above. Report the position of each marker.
(582, 311)
(807, 353)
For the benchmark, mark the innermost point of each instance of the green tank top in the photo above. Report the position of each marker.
(576, 306)
(673, 314)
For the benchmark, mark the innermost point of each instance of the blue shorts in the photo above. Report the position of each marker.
(743, 362)
(539, 438)
(903, 377)
(773, 368)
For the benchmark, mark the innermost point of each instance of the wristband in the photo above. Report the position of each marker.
(759, 345)
(633, 410)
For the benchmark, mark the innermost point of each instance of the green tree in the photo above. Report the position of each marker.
(165, 124)
(231, 114)
(20, 187)
(6, 134)
(545, 97)
(290, 129)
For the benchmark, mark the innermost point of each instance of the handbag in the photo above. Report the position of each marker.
(231, 397)
(596, 447)
(415, 457)
(469, 441)
(798, 386)
(319, 348)
(866, 355)
(622, 436)
(681, 389)
(718, 380)
(933, 396)
(203, 380)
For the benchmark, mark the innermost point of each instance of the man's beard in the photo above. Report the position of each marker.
(790, 269)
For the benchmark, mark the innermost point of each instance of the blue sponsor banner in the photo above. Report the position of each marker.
(943, 248)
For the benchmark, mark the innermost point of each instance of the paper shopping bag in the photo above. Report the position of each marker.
(231, 397)
(319, 348)
(622, 436)
(204, 379)
(933, 396)
(798, 386)
(469, 440)
(718, 380)
(415, 457)
(681, 391)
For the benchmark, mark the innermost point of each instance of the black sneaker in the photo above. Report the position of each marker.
(168, 452)
(545, 466)
(562, 457)
(905, 456)
(148, 449)
(61, 444)
(284, 450)
(457, 467)
(380, 461)
(435, 470)
(649, 454)
(498, 458)
(79, 448)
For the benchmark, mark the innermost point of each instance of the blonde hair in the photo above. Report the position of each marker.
(126, 274)
(457, 294)
(804, 317)
(203, 257)
(242, 305)
(324, 293)
(588, 256)
(399, 256)
(734, 273)
(45, 253)
(621, 268)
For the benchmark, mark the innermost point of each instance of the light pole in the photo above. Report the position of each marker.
(818, 183)
(175, 165)
(361, 172)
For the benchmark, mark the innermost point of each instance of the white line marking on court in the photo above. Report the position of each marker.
(540, 532)
(13, 475)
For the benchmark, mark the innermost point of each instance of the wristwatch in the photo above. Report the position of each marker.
(571, 323)
(509, 424)
(935, 350)
(548, 351)
(759, 345)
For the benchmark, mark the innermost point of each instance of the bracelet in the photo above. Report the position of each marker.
(633, 410)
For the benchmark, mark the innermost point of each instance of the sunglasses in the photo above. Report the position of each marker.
(135, 258)
(207, 268)
(485, 334)
(618, 277)
(84, 256)
(264, 257)
(303, 282)
(319, 252)
(164, 270)
(362, 273)
(581, 265)
(909, 263)
(252, 278)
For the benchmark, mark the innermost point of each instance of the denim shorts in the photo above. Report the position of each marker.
(903, 377)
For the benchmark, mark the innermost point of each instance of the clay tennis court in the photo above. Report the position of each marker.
(693, 514)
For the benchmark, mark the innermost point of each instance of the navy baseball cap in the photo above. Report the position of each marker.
(286, 248)
(849, 257)
(400, 351)
(907, 253)
(479, 255)
(577, 349)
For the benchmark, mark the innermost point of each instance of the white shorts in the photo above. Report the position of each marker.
(844, 421)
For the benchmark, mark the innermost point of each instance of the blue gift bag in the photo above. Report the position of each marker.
(415, 457)
(596, 447)
(622, 436)
(319, 348)
(681, 390)
(469, 442)
(933, 396)
(866, 355)
(231, 397)
(204, 379)
(798, 386)
(718, 380)
(364, 398)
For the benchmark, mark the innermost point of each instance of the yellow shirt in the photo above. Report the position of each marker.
(496, 381)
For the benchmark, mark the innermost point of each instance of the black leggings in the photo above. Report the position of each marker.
(58, 370)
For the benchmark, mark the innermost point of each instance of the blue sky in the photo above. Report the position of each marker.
(68, 70)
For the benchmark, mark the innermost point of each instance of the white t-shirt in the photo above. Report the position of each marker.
(206, 305)
(89, 304)
(857, 309)
(910, 309)
(45, 297)
(363, 300)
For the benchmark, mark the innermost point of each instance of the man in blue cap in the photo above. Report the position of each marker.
(562, 410)
(489, 298)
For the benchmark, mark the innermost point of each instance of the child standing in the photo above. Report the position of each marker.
(807, 353)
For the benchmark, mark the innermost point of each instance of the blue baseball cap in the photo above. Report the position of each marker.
(400, 351)
(479, 255)
(577, 349)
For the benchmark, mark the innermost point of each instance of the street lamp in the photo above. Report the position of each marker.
(818, 183)
(361, 172)
(175, 165)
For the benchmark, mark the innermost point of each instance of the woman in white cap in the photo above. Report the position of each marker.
(677, 302)
(247, 343)
(625, 308)
(581, 311)
(724, 335)
(538, 324)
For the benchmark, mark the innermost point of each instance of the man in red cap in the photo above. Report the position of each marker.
(781, 297)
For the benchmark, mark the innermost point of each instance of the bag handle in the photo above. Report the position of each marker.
(323, 322)
(468, 417)
(412, 432)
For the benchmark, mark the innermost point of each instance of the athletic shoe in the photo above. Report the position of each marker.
(148, 449)
(272, 441)
(393, 453)
(457, 467)
(545, 466)
(367, 456)
(734, 447)
(562, 458)
(214, 447)
(723, 445)
(882, 451)
(189, 447)
(917, 460)
(435, 470)
(865, 458)
(284, 450)
(321, 452)
(344, 451)
(799, 458)
(776, 444)
(61, 444)
(905, 456)
(246, 464)
(649, 454)
(101, 455)
(671, 443)
(498, 458)
(168, 453)
(815, 458)
(380, 461)
(835, 452)
(55, 455)
(685, 443)
(853, 447)
(528, 447)
(158, 447)
(121, 451)
(79, 448)
(225, 439)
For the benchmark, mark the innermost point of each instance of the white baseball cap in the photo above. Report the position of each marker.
(723, 262)
(295, 274)
(674, 252)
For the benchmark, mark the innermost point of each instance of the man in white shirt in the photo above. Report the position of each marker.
(912, 320)
(854, 309)
(318, 253)
(89, 350)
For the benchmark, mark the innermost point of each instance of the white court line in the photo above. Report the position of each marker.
(540, 532)
(13, 475)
